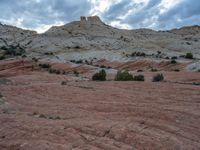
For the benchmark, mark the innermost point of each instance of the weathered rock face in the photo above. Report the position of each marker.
(90, 33)
(88, 21)
(191, 30)
(37, 112)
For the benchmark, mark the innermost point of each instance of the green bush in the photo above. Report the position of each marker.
(35, 59)
(173, 61)
(100, 76)
(54, 71)
(176, 70)
(139, 70)
(174, 57)
(142, 54)
(76, 73)
(77, 61)
(64, 83)
(154, 70)
(44, 66)
(123, 76)
(189, 56)
(158, 77)
(2, 57)
(102, 66)
(138, 78)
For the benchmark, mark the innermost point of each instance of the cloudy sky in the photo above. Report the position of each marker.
(40, 15)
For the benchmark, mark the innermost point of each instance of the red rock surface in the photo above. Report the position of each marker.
(37, 112)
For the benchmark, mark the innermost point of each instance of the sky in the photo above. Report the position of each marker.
(40, 15)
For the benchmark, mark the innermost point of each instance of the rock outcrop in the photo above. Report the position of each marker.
(90, 33)
(91, 20)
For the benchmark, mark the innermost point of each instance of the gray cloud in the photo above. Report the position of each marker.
(118, 9)
(186, 13)
(35, 13)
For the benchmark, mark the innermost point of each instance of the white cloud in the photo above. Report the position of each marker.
(100, 6)
(165, 5)
(120, 25)
(43, 28)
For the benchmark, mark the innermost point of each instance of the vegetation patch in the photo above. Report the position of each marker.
(154, 70)
(141, 54)
(176, 70)
(173, 61)
(139, 70)
(100, 76)
(80, 61)
(54, 71)
(46, 66)
(76, 73)
(174, 57)
(189, 56)
(138, 78)
(124, 76)
(64, 83)
(158, 77)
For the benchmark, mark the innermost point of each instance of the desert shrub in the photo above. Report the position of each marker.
(2, 57)
(173, 61)
(44, 66)
(182, 56)
(154, 70)
(24, 56)
(57, 118)
(73, 61)
(138, 78)
(55, 71)
(77, 47)
(42, 116)
(100, 76)
(52, 71)
(158, 52)
(158, 77)
(79, 61)
(64, 83)
(35, 59)
(48, 53)
(63, 72)
(188, 43)
(76, 73)
(167, 57)
(102, 66)
(139, 70)
(189, 56)
(87, 62)
(123, 76)
(198, 70)
(174, 57)
(138, 54)
(4, 48)
(176, 70)
(58, 72)
(13, 50)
